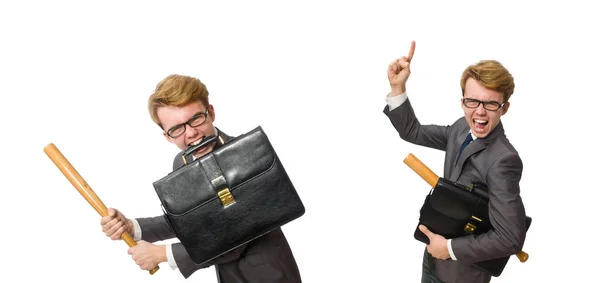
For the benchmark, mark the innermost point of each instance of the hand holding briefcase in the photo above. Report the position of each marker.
(454, 210)
(228, 197)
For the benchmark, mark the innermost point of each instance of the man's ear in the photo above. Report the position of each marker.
(505, 107)
(211, 112)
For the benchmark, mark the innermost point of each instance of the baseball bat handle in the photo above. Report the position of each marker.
(523, 256)
(83, 188)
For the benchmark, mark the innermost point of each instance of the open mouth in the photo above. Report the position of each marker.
(480, 124)
(196, 143)
(200, 147)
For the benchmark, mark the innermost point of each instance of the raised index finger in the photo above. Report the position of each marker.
(411, 51)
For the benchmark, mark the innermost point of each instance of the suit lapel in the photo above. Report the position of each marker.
(473, 148)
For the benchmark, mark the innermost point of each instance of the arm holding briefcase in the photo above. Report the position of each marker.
(454, 210)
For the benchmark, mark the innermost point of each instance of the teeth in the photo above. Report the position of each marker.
(196, 142)
(479, 121)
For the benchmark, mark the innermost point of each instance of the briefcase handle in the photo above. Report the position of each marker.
(206, 140)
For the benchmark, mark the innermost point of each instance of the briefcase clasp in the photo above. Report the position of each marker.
(226, 197)
(470, 228)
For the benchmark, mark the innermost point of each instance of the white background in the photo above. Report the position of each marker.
(313, 75)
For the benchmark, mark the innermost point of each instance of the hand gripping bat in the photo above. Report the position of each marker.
(84, 189)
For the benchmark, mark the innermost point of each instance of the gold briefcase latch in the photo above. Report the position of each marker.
(226, 197)
(470, 227)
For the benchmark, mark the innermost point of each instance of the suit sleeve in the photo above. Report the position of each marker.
(187, 267)
(155, 229)
(506, 212)
(409, 128)
(158, 229)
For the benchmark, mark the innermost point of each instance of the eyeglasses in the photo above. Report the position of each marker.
(487, 105)
(196, 120)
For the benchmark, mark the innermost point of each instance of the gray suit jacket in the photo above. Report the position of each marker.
(267, 259)
(491, 160)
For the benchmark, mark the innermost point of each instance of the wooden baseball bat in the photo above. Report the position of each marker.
(431, 178)
(84, 189)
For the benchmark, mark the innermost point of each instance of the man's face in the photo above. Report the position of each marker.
(482, 121)
(172, 117)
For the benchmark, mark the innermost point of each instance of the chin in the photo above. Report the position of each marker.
(479, 134)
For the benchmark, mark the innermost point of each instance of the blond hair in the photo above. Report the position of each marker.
(491, 75)
(176, 90)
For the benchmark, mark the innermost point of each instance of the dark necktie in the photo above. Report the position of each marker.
(468, 140)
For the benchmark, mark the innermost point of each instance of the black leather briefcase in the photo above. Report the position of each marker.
(229, 196)
(453, 210)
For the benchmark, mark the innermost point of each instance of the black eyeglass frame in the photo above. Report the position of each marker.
(189, 122)
(495, 104)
